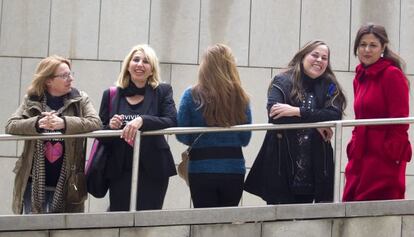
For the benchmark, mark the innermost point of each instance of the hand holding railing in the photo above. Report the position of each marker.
(250, 127)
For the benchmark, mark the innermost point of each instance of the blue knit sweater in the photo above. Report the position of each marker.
(189, 116)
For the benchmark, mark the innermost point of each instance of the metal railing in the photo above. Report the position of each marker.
(339, 125)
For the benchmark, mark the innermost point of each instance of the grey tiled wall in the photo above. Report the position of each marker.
(122, 24)
(264, 35)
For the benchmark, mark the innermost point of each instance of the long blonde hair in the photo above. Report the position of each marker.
(45, 70)
(124, 76)
(218, 91)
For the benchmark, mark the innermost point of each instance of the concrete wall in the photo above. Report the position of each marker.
(264, 35)
(369, 219)
(392, 226)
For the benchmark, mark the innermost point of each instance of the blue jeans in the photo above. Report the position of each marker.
(27, 199)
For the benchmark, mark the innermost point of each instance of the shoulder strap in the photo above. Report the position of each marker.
(112, 93)
(194, 142)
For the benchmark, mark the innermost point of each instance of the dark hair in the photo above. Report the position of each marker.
(295, 67)
(381, 34)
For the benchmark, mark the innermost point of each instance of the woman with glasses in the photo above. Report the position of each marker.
(296, 165)
(378, 155)
(50, 173)
(142, 103)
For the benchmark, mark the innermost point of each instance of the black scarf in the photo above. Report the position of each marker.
(54, 102)
(132, 90)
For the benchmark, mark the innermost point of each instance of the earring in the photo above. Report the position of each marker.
(382, 54)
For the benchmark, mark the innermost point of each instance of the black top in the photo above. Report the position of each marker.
(157, 111)
(296, 161)
(54, 148)
(130, 113)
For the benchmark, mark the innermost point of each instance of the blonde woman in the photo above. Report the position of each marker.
(45, 172)
(143, 103)
(216, 167)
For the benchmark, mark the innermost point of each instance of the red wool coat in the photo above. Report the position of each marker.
(377, 155)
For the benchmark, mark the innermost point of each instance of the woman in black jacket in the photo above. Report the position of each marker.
(296, 166)
(141, 103)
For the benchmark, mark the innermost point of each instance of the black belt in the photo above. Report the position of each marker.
(216, 153)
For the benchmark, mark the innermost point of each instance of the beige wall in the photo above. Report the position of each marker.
(264, 35)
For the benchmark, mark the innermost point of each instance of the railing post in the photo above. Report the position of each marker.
(134, 176)
(337, 160)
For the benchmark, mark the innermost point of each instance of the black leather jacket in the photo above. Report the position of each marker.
(281, 170)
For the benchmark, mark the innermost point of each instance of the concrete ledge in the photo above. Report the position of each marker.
(379, 226)
(207, 215)
(380, 208)
(99, 220)
(33, 222)
(310, 211)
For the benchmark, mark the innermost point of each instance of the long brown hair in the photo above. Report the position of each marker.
(381, 34)
(295, 67)
(218, 91)
(45, 70)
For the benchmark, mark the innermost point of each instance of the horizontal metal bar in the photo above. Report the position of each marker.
(382, 121)
(246, 127)
(99, 133)
(270, 126)
(188, 130)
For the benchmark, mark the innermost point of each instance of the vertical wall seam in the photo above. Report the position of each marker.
(171, 77)
(99, 29)
(20, 97)
(50, 27)
(350, 50)
(199, 33)
(300, 23)
(20, 81)
(2, 17)
(250, 34)
(149, 22)
(271, 75)
(399, 29)
(261, 229)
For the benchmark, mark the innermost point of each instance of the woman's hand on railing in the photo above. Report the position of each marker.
(326, 133)
(130, 130)
(279, 110)
(116, 121)
(51, 121)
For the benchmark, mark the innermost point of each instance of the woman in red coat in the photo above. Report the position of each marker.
(377, 155)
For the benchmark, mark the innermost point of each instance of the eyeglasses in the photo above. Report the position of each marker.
(66, 76)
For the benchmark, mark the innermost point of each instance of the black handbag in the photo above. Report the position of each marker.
(96, 182)
(76, 188)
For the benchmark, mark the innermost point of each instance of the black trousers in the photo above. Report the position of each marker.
(216, 190)
(150, 195)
